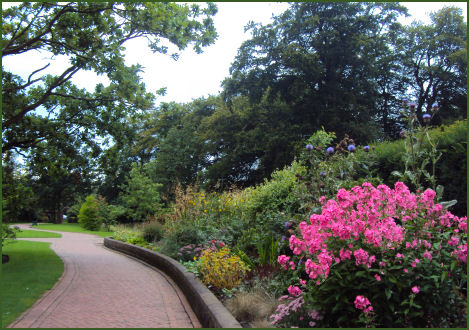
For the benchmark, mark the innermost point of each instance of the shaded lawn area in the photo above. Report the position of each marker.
(74, 228)
(32, 270)
(36, 234)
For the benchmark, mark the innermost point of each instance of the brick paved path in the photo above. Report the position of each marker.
(101, 288)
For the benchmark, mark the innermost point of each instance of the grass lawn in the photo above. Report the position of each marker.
(36, 234)
(74, 228)
(33, 269)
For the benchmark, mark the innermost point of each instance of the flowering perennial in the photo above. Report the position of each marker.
(369, 226)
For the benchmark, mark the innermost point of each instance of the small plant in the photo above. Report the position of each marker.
(251, 306)
(88, 217)
(220, 269)
(152, 232)
(418, 154)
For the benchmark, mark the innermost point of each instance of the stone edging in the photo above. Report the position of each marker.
(209, 310)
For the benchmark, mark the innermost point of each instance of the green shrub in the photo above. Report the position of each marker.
(73, 211)
(451, 170)
(88, 217)
(117, 214)
(152, 232)
(276, 194)
(140, 196)
(7, 233)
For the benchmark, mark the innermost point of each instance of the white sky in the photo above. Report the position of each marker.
(194, 75)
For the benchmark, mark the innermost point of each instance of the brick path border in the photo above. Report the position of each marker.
(209, 310)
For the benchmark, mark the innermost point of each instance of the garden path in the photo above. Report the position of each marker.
(101, 288)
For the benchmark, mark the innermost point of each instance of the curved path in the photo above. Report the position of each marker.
(101, 288)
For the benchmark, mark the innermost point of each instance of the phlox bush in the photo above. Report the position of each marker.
(379, 256)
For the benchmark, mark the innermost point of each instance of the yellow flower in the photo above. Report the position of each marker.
(205, 211)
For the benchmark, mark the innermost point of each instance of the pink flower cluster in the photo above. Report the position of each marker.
(284, 310)
(362, 303)
(375, 217)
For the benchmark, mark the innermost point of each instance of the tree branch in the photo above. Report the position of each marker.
(66, 75)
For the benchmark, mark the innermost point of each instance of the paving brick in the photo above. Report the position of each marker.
(101, 288)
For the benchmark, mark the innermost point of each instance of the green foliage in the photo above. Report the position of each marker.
(91, 35)
(88, 217)
(18, 200)
(8, 234)
(116, 214)
(152, 232)
(140, 196)
(276, 194)
(450, 172)
(73, 211)
(434, 64)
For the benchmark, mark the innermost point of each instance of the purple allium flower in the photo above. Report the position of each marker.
(309, 147)
(283, 238)
(351, 148)
(366, 148)
(402, 134)
(322, 173)
(426, 117)
(330, 150)
(435, 106)
(287, 225)
(412, 105)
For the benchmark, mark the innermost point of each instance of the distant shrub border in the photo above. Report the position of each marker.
(209, 310)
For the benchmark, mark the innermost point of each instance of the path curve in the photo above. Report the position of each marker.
(101, 288)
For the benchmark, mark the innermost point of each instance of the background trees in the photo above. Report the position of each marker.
(49, 110)
(345, 67)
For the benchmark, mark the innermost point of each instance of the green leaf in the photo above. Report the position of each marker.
(448, 204)
(453, 264)
(396, 173)
(443, 276)
(388, 293)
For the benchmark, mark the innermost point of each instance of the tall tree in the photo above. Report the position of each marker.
(322, 59)
(63, 129)
(435, 63)
(92, 35)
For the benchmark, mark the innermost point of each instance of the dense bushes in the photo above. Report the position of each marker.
(451, 170)
(402, 281)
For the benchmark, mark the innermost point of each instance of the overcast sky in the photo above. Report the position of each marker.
(194, 75)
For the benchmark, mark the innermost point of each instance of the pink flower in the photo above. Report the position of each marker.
(378, 278)
(415, 262)
(361, 256)
(294, 291)
(302, 282)
(361, 303)
(453, 241)
(427, 255)
(405, 270)
(283, 259)
(345, 254)
(415, 289)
